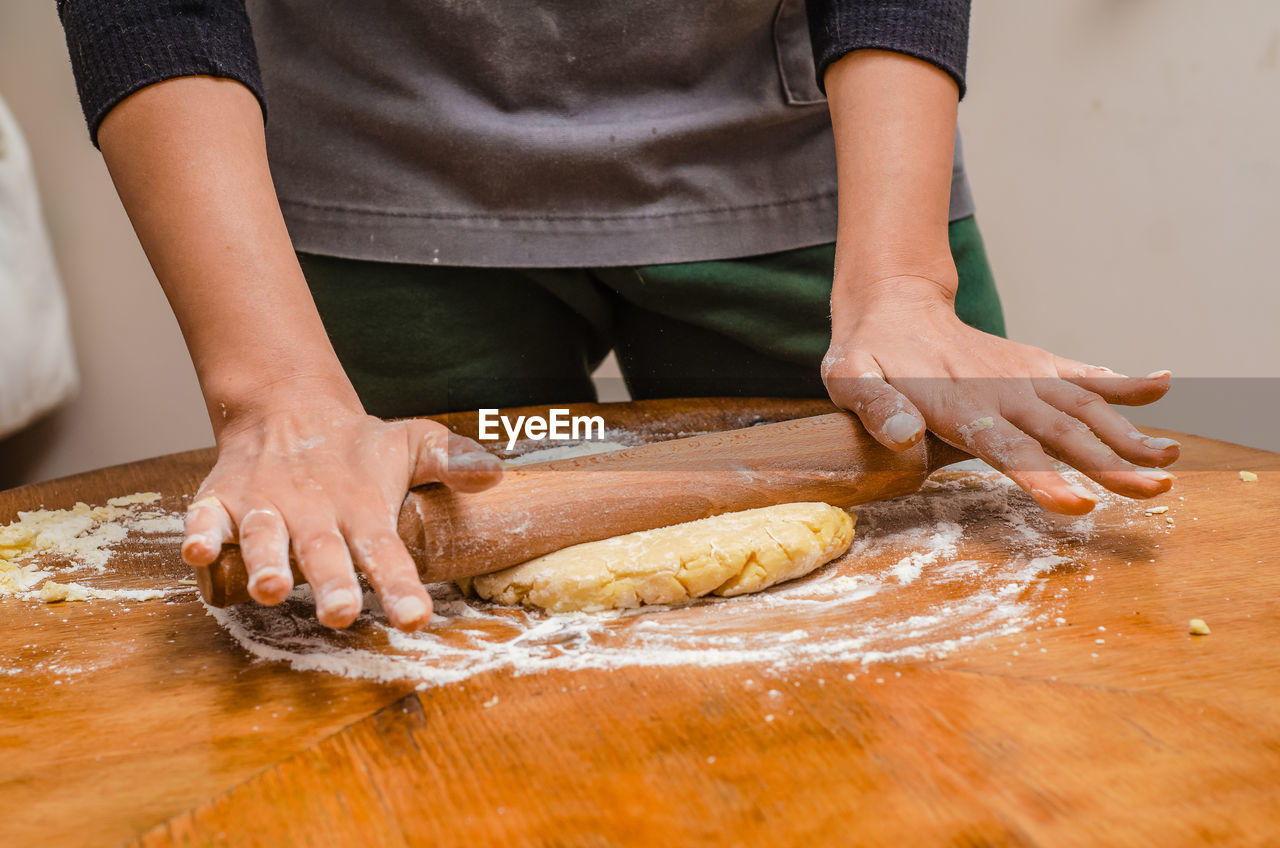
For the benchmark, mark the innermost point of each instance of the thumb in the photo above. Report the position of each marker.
(440, 456)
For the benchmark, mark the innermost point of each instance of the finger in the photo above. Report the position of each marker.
(264, 546)
(206, 528)
(1071, 441)
(1113, 387)
(323, 557)
(1008, 449)
(456, 461)
(1108, 424)
(383, 558)
(890, 418)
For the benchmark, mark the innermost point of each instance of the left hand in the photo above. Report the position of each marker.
(902, 361)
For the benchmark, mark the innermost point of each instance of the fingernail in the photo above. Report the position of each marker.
(262, 579)
(1157, 474)
(473, 461)
(338, 603)
(902, 427)
(1161, 444)
(1082, 493)
(192, 541)
(1156, 375)
(409, 610)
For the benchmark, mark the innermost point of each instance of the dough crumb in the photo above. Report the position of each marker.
(52, 592)
(977, 426)
(136, 499)
(1248, 477)
(1157, 510)
(1199, 628)
(18, 578)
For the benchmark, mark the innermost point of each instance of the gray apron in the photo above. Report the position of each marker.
(548, 133)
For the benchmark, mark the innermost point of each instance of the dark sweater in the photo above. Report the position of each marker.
(120, 46)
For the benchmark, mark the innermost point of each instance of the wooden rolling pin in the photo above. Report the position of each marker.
(543, 507)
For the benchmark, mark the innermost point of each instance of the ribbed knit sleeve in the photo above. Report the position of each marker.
(120, 46)
(936, 31)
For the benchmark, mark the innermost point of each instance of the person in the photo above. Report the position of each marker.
(456, 205)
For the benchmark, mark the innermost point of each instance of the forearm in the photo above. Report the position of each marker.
(189, 161)
(302, 472)
(894, 119)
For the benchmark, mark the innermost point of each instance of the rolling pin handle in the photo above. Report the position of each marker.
(224, 583)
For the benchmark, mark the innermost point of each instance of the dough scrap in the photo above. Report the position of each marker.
(52, 592)
(728, 555)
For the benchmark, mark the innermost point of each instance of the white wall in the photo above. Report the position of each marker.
(138, 394)
(1126, 160)
(1123, 152)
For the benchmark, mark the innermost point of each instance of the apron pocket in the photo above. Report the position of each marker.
(795, 54)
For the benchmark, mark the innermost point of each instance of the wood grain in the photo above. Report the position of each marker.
(172, 736)
(1006, 762)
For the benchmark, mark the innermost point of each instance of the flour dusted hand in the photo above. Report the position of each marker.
(301, 468)
(901, 360)
(325, 483)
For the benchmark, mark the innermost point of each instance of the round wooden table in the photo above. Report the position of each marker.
(178, 737)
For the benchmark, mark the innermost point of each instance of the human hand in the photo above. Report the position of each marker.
(902, 361)
(325, 481)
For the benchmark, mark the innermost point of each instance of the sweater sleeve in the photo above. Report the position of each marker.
(936, 31)
(120, 46)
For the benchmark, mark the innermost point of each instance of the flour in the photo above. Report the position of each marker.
(959, 562)
(564, 452)
(79, 542)
(940, 543)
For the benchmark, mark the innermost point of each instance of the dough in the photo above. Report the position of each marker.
(52, 593)
(730, 554)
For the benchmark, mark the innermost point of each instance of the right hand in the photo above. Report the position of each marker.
(324, 481)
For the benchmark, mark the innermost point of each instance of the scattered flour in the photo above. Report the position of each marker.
(564, 452)
(79, 542)
(958, 562)
(941, 543)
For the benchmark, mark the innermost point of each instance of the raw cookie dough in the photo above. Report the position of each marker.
(730, 554)
(52, 593)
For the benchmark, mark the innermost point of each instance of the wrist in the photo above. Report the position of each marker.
(853, 299)
(244, 400)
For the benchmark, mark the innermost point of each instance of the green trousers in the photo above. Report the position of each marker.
(424, 339)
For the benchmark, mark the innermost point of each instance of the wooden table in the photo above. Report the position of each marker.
(180, 738)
